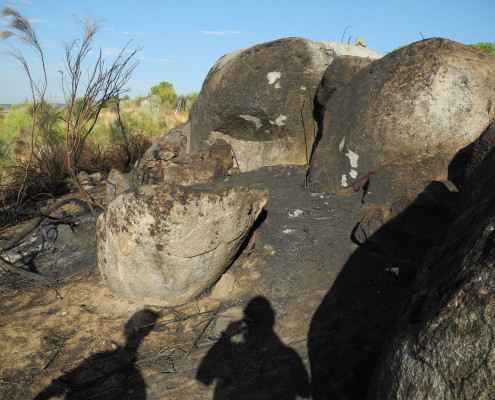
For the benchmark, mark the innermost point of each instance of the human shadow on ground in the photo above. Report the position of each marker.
(250, 362)
(110, 374)
(350, 327)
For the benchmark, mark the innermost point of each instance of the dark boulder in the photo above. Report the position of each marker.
(443, 346)
(260, 100)
(414, 221)
(338, 74)
(427, 100)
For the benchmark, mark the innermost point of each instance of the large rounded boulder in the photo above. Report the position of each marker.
(260, 100)
(165, 244)
(420, 103)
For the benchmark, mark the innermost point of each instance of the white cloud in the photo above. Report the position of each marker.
(113, 51)
(36, 21)
(110, 51)
(4, 22)
(19, 1)
(223, 32)
(132, 33)
(163, 60)
(110, 29)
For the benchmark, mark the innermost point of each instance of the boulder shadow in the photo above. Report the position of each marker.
(250, 362)
(350, 327)
(109, 374)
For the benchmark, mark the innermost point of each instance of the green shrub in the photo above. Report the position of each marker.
(166, 92)
(17, 122)
(189, 99)
(397, 48)
(485, 46)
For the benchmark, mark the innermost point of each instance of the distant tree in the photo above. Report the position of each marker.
(166, 92)
(186, 101)
(111, 103)
(485, 46)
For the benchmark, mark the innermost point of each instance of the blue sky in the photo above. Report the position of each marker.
(182, 39)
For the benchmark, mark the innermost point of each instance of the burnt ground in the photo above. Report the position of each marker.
(301, 303)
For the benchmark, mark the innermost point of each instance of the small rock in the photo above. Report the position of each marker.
(255, 275)
(96, 177)
(165, 155)
(296, 213)
(224, 287)
(84, 178)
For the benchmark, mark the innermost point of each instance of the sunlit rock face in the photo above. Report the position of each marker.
(164, 244)
(260, 100)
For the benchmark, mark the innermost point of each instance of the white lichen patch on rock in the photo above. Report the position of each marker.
(251, 118)
(273, 76)
(344, 181)
(353, 174)
(353, 158)
(280, 121)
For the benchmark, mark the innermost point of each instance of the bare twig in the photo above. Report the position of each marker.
(98, 86)
(52, 358)
(21, 271)
(200, 335)
(343, 34)
(13, 242)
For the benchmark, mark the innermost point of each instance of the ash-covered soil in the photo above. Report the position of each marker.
(301, 305)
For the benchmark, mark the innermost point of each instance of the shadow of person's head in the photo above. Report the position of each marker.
(259, 315)
(139, 326)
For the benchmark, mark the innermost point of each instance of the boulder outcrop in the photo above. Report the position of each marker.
(165, 244)
(338, 74)
(260, 100)
(167, 165)
(166, 162)
(414, 221)
(427, 100)
(443, 347)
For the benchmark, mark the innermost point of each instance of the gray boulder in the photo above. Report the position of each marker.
(164, 244)
(174, 141)
(429, 99)
(414, 221)
(480, 148)
(260, 100)
(338, 74)
(118, 182)
(171, 166)
(443, 346)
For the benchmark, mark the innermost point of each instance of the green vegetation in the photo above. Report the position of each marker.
(98, 128)
(15, 124)
(166, 92)
(485, 46)
(397, 48)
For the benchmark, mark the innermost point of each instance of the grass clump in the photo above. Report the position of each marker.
(484, 46)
